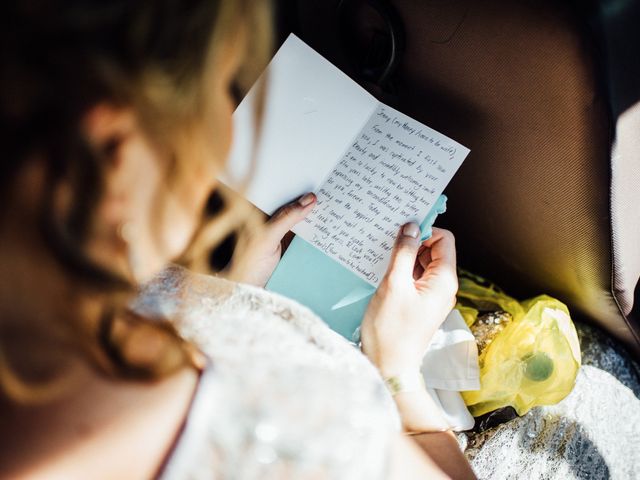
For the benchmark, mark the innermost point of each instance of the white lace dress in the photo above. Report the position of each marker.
(284, 397)
(288, 398)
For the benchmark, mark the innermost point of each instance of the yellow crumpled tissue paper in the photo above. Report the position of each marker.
(533, 360)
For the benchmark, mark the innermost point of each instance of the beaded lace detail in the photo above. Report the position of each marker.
(291, 398)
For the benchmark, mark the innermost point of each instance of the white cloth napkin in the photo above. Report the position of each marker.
(450, 366)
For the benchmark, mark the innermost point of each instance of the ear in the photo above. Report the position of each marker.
(107, 127)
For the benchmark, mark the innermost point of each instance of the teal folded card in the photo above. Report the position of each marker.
(329, 289)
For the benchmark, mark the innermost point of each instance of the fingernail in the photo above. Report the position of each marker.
(411, 230)
(306, 199)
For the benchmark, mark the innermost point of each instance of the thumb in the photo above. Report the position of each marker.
(288, 216)
(405, 250)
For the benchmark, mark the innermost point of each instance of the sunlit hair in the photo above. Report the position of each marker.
(61, 58)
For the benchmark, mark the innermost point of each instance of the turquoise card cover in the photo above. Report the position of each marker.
(329, 289)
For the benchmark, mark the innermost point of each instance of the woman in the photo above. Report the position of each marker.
(116, 119)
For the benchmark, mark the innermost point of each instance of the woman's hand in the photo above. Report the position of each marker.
(413, 300)
(263, 250)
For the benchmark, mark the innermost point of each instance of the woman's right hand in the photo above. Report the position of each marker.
(414, 298)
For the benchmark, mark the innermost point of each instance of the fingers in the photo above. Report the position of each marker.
(403, 257)
(288, 216)
(440, 248)
(439, 262)
(424, 257)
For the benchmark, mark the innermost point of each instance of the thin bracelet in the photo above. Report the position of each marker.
(413, 382)
(405, 382)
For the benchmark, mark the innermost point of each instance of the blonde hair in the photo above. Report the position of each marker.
(153, 56)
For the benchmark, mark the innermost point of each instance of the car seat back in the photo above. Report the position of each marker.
(548, 199)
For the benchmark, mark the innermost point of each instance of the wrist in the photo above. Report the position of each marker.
(419, 413)
(391, 364)
(417, 409)
(408, 381)
(393, 367)
(392, 358)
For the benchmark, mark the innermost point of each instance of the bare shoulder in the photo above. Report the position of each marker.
(113, 429)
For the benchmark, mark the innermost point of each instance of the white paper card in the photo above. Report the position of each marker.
(311, 113)
(392, 173)
(372, 167)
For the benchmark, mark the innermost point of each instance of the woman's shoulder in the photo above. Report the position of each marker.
(284, 392)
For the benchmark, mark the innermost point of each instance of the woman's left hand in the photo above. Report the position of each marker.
(263, 250)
